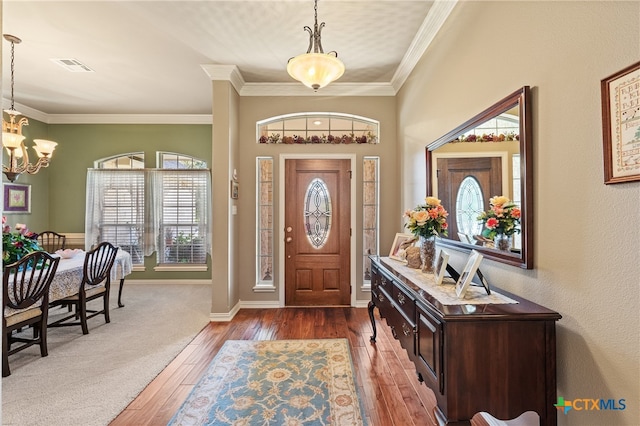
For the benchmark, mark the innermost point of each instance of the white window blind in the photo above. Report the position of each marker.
(145, 211)
(183, 207)
(115, 210)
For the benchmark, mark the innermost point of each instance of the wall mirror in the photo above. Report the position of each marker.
(489, 155)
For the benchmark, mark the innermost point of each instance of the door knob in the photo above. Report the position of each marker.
(288, 239)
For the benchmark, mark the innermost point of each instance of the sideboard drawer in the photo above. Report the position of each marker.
(382, 300)
(404, 302)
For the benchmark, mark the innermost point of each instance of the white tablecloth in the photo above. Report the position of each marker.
(69, 275)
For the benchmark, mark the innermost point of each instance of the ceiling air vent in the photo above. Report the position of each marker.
(72, 65)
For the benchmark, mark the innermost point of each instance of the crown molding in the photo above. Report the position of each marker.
(333, 89)
(438, 14)
(27, 111)
(225, 72)
(109, 118)
(130, 119)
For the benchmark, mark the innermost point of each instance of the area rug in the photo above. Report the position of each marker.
(276, 382)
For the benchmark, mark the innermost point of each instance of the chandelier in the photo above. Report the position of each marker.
(317, 69)
(12, 138)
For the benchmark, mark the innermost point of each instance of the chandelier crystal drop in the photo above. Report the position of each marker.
(13, 140)
(315, 69)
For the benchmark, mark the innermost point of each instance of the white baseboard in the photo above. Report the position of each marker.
(224, 317)
(250, 304)
(164, 282)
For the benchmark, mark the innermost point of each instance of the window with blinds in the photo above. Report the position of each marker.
(182, 212)
(122, 218)
(143, 211)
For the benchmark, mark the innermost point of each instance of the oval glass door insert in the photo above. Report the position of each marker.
(468, 206)
(317, 213)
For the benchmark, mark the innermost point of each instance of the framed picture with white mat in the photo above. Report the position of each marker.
(473, 262)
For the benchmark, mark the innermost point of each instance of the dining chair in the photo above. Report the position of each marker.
(95, 284)
(51, 241)
(26, 303)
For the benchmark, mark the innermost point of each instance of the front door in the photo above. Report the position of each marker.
(486, 171)
(317, 232)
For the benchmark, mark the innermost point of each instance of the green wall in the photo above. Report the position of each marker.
(79, 145)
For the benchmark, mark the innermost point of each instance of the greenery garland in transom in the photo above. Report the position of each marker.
(318, 128)
(327, 139)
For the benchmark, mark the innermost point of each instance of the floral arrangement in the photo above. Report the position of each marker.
(502, 218)
(18, 243)
(428, 219)
(326, 139)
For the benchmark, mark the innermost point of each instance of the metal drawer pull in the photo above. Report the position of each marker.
(381, 298)
(401, 299)
(383, 281)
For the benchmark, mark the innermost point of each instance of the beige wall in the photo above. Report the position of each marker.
(586, 234)
(253, 109)
(224, 231)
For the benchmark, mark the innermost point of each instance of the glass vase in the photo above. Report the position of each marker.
(428, 254)
(502, 242)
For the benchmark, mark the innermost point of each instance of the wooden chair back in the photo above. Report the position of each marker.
(51, 241)
(25, 303)
(26, 282)
(96, 271)
(97, 265)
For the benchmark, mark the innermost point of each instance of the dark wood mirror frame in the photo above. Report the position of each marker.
(522, 100)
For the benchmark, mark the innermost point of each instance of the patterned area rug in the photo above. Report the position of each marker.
(276, 382)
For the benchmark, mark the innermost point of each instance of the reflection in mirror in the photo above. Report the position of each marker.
(487, 156)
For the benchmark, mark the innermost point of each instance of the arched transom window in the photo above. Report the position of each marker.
(318, 128)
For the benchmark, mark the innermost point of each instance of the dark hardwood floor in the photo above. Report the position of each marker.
(386, 378)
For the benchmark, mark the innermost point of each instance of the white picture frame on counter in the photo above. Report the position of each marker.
(469, 271)
(397, 251)
(441, 266)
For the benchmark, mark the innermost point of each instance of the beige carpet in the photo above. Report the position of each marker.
(89, 379)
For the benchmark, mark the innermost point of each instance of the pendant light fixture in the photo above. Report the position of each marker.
(12, 138)
(317, 69)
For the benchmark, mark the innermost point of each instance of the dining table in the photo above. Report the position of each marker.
(69, 274)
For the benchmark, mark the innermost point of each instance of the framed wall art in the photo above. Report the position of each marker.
(621, 125)
(17, 198)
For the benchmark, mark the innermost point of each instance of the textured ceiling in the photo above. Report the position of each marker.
(148, 56)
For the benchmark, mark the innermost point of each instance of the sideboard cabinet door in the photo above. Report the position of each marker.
(429, 350)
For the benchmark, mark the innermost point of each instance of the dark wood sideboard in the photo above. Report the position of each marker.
(499, 358)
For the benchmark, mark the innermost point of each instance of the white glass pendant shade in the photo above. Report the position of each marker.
(11, 140)
(315, 70)
(44, 147)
